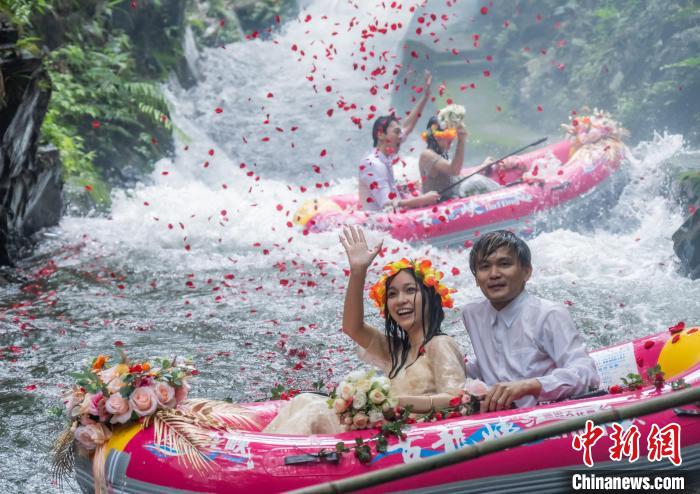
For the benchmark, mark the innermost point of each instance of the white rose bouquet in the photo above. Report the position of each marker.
(362, 399)
(451, 116)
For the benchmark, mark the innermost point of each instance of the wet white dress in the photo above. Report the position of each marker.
(439, 370)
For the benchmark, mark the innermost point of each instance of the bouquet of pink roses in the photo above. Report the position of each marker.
(104, 395)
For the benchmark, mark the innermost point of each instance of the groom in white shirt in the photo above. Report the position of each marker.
(527, 349)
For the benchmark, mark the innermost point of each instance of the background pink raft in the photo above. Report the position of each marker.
(249, 461)
(572, 191)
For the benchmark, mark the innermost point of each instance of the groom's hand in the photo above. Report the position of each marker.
(502, 395)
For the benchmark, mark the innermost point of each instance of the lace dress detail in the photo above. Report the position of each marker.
(439, 370)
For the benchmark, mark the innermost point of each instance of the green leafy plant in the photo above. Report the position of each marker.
(280, 392)
(395, 428)
(679, 384)
(97, 98)
(20, 12)
(654, 376)
(633, 381)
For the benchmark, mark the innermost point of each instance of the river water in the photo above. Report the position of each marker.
(199, 259)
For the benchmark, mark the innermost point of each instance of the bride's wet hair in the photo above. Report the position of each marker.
(433, 315)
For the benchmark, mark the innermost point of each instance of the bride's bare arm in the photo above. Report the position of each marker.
(360, 257)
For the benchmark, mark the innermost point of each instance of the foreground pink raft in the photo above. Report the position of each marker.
(250, 461)
(578, 187)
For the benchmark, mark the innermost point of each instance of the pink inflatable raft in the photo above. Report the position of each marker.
(549, 180)
(249, 461)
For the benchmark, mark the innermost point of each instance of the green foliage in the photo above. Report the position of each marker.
(690, 62)
(276, 391)
(99, 109)
(280, 392)
(655, 374)
(78, 167)
(106, 114)
(362, 449)
(605, 13)
(632, 381)
(20, 12)
(263, 12)
(679, 384)
(636, 59)
(214, 23)
(55, 411)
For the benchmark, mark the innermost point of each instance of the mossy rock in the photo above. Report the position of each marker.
(686, 244)
(687, 187)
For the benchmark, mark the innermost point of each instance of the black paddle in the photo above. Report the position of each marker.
(487, 165)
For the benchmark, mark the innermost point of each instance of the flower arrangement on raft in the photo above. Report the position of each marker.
(589, 129)
(152, 392)
(364, 400)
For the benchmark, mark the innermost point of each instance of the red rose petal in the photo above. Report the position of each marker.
(677, 328)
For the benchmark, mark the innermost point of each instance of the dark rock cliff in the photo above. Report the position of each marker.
(30, 180)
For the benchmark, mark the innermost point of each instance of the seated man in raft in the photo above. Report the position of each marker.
(527, 348)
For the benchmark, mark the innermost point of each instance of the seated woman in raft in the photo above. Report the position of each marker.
(424, 365)
(438, 172)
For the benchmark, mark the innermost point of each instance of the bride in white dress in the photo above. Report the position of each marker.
(424, 365)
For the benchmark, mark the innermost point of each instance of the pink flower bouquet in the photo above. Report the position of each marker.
(105, 395)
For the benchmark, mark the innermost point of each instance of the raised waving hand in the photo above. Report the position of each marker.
(360, 256)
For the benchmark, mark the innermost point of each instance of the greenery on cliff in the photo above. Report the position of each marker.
(106, 59)
(637, 59)
(106, 115)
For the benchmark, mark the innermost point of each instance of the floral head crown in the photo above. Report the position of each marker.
(438, 133)
(424, 271)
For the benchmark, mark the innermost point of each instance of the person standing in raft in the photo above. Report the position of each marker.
(527, 348)
(377, 186)
(424, 365)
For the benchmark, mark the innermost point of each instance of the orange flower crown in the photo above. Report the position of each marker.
(424, 271)
(435, 131)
